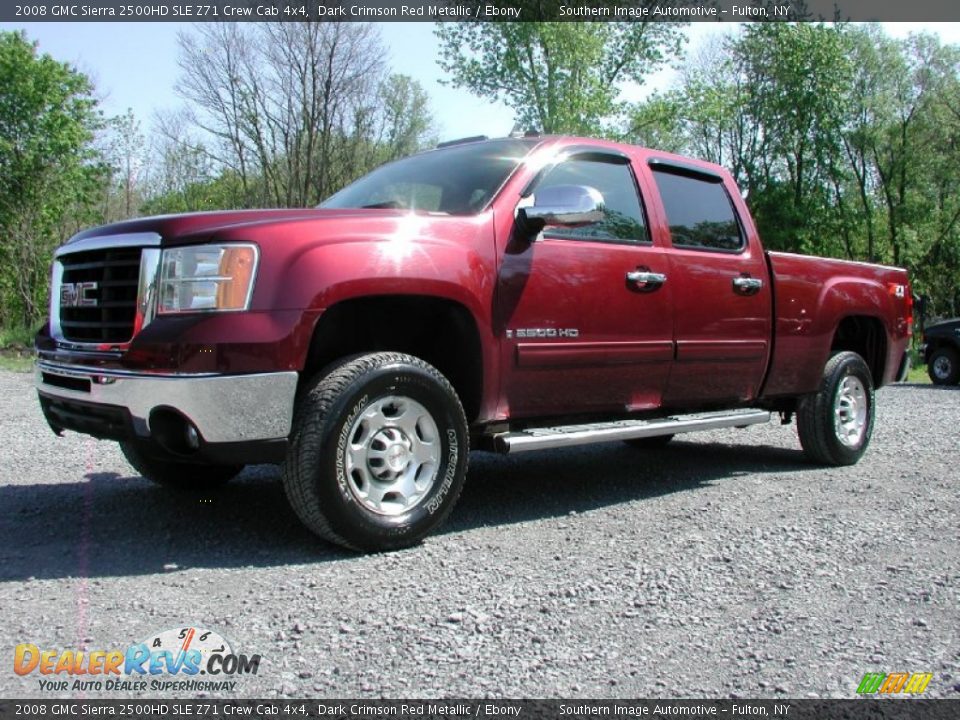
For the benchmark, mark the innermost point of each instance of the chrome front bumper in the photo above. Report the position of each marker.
(223, 408)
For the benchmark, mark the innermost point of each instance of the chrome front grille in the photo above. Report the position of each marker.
(103, 290)
(110, 278)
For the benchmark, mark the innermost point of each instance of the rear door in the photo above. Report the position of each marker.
(721, 294)
(578, 334)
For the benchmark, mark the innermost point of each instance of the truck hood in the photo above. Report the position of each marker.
(203, 226)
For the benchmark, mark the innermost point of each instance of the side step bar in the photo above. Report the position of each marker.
(547, 438)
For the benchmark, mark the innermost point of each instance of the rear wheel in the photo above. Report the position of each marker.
(944, 366)
(176, 474)
(378, 454)
(836, 422)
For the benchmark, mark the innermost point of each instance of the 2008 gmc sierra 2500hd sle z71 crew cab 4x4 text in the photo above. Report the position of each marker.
(510, 295)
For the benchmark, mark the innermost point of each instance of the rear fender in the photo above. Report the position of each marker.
(808, 315)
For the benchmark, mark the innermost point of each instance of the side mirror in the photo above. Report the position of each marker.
(563, 205)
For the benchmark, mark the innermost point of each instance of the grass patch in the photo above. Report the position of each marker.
(16, 363)
(16, 338)
(918, 368)
(16, 349)
(918, 374)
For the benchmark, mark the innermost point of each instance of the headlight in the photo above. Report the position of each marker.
(206, 278)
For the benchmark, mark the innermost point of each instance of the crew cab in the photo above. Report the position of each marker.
(508, 295)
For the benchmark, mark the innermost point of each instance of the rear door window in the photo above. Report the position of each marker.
(699, 212)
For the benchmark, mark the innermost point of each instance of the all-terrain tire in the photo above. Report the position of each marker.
(175, 474)
(378, 453)
(836, 422)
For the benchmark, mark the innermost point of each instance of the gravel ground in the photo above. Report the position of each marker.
(723, 565)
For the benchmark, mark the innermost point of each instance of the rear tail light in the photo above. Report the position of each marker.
(909, 310)
(899, 290)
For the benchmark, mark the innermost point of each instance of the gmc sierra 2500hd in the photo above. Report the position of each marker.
(509, 295)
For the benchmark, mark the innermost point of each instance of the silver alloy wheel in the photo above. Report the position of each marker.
(392, 455)
(850, 411)
(941, 367)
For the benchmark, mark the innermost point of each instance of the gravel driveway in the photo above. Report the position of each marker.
(723, 565)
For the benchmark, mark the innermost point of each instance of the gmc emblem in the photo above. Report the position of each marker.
(77, 294)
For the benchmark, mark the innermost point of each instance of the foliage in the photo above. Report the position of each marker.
(16, 362)
(845, 141)
(16, 348)
(50, 173)
(558, 77)
(407, 124)
(292, 111)
(123, 148)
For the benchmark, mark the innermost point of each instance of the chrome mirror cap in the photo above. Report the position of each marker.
(562, 205)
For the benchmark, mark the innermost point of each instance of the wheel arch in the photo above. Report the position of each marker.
(438, 330)
(866, 336)
(936, 342)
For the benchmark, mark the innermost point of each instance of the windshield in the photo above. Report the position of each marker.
(457, 180)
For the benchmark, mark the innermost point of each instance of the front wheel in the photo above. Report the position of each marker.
(836, 422)
(378, 453)
(944, 366)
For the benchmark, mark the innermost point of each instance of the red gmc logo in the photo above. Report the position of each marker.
(77, 294)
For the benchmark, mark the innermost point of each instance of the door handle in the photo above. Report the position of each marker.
(646, 280)
(747, 285)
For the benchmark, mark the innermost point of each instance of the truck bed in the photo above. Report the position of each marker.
(810, 294)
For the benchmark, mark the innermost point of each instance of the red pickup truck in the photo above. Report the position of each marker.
(509, 295)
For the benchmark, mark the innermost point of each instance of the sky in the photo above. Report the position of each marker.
(134, 65)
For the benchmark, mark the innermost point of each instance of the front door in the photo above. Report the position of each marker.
(585, 322)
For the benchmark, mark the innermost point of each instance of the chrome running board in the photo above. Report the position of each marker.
(547, 438)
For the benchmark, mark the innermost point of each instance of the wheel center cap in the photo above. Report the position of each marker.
(397, 456)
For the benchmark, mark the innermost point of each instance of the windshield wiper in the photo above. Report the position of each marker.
(385, 205)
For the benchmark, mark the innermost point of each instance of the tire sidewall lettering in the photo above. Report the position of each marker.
(453, 456)
(342, 439)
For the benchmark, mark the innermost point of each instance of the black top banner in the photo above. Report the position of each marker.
(479, 10)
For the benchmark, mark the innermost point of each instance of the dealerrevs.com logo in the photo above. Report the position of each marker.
(188, 659)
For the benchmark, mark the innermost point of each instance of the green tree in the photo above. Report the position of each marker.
(847, 141)
(124, 148)
(710, 114)
(558, 77)
(918, 165)
(657, 122)
(294, 110)
(50, 172)
(407, 123)
(798, 76)
(769, 104)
